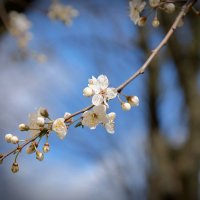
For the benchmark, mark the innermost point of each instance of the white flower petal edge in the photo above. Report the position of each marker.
(102, 93)
(60, 128)
(95, 116)
(110, 125)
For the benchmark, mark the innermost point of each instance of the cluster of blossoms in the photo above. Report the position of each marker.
(100, 92)
(41, 125)
(19, 27)
(137, 8)
(62, 12)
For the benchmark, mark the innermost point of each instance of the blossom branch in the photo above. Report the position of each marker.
(104, 94)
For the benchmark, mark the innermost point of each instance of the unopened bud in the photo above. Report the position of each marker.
(23, 127)
(155, 22)
(31, 148)
(87, 92)
(67, 115)
(40, 121)
(142, 21)
(1, 159)
(44, 112)
(15, 167)
(14, 140)
(169, 7)
(133, 100)
(8, 138)
(46, 148)
(154, 3)
(126, 106)
(39, 156)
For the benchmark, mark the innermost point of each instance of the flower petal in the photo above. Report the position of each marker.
(60, 128)
(97, 99)
(111, 93)
(110, 127)
(103, 82)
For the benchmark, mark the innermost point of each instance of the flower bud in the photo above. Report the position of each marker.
(15, 167)
(154, 3)
(66, 115)
(46, 148)
(133, 100)
(169, 7)
(8, 138)
(87, 92)
(112, 116)
(39, 156)
(155, 22)
(31, 148)
(126, 106)
(142, 21)
(44, 112)
(23, 127)
(14, 140)
(40, 121)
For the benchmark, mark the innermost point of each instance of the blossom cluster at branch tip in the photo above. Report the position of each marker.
(137, 10)
(19, 27)
(99, 90)
(62, 12)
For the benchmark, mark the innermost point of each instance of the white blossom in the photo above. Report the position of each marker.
(95, 116)
(33, 123)
(102, 93)
(126, 106)
(62, 12)
(136, 7)
(110, 125)
(19, 27)
(60, 128)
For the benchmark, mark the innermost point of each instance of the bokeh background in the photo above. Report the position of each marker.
(155, 151)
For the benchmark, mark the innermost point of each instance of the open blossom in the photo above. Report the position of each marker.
(62, 12)
(102, 93)
(33, 123)
(110, 125)
(60, 128)
(19, 27)
(136, 7)
(95, 116)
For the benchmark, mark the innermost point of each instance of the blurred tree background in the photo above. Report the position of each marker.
(155, 153)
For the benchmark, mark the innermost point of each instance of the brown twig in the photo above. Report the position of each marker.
(140, 71)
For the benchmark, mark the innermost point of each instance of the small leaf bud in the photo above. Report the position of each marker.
(44, 112)
(142, 21)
